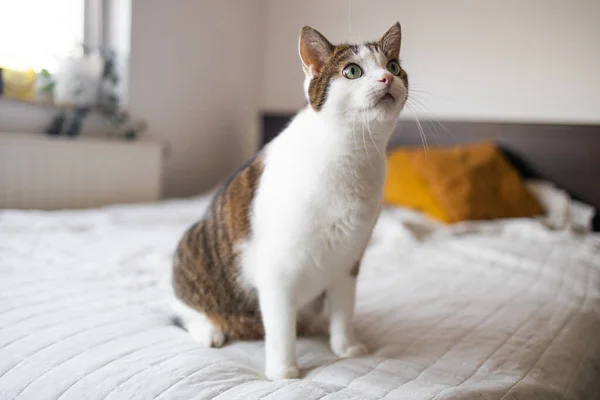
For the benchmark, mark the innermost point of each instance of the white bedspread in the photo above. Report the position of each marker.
(505, 310)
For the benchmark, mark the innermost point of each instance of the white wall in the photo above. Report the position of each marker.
(195, 76)
(534, 60)
(201, 70)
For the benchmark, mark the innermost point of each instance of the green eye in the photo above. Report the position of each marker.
(394, 67)
(352, 71)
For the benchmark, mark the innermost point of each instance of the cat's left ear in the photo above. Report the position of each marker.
(314, 50)
(391, 40)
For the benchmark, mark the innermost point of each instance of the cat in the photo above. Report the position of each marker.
(283, 238)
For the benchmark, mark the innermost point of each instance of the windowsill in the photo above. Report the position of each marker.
(51, 104)
(50, 140)
(38, 103)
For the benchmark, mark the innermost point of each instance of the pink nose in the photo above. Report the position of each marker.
(387, 78)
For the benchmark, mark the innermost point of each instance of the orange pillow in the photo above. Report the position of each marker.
(404, 186)
(458, 183)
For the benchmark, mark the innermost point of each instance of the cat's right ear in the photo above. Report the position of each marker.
(314, 50)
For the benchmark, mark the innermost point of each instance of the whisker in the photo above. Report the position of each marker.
(436, 119)
(371, 136)
(354, 133)
(417, 96)
(413, 91)
(363, 137)
(420, 129)
(436, 133)
(362, 120)
(422, 134)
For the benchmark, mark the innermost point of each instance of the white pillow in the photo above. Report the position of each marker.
(562, 212)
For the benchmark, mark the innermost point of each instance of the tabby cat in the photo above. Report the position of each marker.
(283, 239)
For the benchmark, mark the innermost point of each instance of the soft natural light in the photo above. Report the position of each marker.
(37, 33)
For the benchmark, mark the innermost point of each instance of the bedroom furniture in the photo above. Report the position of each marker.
(44, 172)
(568, 155)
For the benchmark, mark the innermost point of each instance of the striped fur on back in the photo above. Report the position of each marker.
(206, 268)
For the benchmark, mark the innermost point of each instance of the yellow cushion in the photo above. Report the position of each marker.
(404, 186)
(18, 84)
(458, 183)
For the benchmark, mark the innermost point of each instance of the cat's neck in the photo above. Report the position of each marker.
(350, 132)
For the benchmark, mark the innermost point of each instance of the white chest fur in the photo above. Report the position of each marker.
(316, 205)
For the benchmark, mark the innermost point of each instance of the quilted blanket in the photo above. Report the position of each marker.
(506, 310)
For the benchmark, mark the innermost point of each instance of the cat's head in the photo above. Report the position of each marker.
(354, 81)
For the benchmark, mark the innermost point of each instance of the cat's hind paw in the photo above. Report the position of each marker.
(207, 335)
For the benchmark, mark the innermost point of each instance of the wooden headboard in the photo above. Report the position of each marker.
(568, 155)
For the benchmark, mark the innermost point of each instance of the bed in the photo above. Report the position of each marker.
(508, 309)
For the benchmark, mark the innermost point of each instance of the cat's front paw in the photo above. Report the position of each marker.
(344, 349)
(275, 373)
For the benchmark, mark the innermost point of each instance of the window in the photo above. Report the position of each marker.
(38, 33)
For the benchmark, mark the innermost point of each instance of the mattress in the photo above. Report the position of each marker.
(504, 310)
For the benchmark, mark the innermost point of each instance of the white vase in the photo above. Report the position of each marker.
(78, 81)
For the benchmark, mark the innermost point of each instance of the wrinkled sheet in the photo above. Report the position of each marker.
(496, 310)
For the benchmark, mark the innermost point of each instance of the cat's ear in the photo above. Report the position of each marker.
(391, 40)
(314, 50)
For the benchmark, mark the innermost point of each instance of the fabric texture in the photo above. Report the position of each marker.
(453, 184)
(405, 186)
(504, 309)
(561, 212)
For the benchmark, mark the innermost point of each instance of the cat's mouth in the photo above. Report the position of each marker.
(386, 97)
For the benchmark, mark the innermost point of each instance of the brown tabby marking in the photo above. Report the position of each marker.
(206, 267)
(374, 47)
(317, 90)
